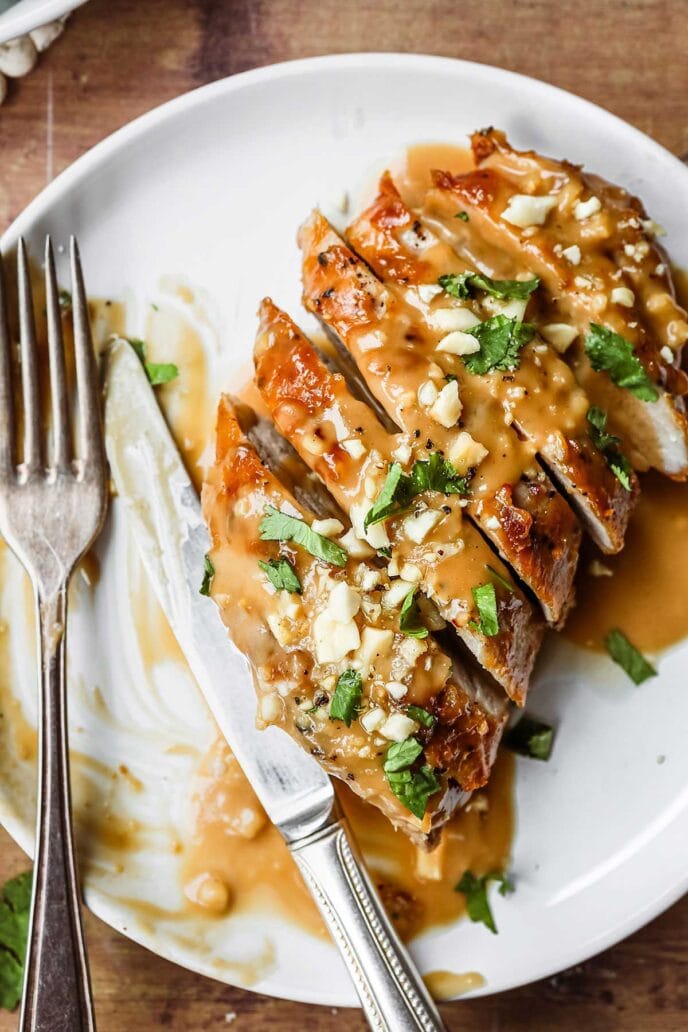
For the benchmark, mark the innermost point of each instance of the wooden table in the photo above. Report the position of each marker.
(117, 59)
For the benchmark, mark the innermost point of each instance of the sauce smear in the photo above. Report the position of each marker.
(413, 178)
(238, 861)
(646, 595)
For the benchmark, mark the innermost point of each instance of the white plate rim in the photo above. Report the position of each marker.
(136, 129)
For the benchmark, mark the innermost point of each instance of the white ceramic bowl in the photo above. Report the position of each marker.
(212, 187)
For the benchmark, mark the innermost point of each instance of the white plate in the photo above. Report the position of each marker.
(212, 186)
(27, 15)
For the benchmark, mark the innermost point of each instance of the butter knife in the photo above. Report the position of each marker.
(165, 515)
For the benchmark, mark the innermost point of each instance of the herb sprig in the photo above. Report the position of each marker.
(346, 700)
(409, 617)
(474, 887)
(485, 598)
(399, 489)
(14, 930)
(501, 340)
(279, 526)
(158, 373)
(464, 285)
(611, 353)
(281, 575)
(411, 784)
(628, 657)
(530, 737)
(608, 444)
(208, 574)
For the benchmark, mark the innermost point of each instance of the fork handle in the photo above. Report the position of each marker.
(393, 996)
(57, 990)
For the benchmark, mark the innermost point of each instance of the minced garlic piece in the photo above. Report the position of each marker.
(622, 296)
(447, 409)
(584, 209)
(528, 210)
(466, 453)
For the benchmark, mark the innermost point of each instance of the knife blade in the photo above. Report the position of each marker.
(165, 515)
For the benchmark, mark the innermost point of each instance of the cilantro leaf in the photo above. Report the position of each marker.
(402, 755)
(392, 498)
(281, 575)
(501, 340)
(208, 574)
(463, 215)
(455, 284)
(157, 372)
(464, 285)
(14, 929)
(611, 353)
(628, 658)
(161, 372)
(346, 700)
(421, 716)
(437, 474)
(474, 888)
(531, 738)
(412, 788)
(399, 488)
(485, 598)
(279, 526)
(608, 444)
(409, 617)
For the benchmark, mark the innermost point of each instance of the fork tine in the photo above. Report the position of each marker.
(7, 413)
(29, 364)
(58, 377)
(86, 370)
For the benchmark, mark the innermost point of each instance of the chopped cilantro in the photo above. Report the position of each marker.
(281, 575)
(412, 787)
(501, 340)
(611, 353)
(161, 372)
(531, 738)
(279, 526)
(14, 929)
(485, 598)
(392, 498)
(474, 888)
(437, 474)
(464, 285)
(627, 656)
(65, 299)
(463, 215)
(401, 755)
(409, 617)
(157, 372)
(208, 574)
(347, 696)
(399, 488)
(608, 444)
(421, 716)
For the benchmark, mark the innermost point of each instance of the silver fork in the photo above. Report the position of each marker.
(51, 509)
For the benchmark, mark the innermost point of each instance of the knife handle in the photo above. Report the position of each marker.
(392, 994)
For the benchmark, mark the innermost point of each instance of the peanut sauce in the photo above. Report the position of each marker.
(234, 860)
(237, 861)
(647, 592)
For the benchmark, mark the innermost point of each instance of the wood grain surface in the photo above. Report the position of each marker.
(119, 58)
